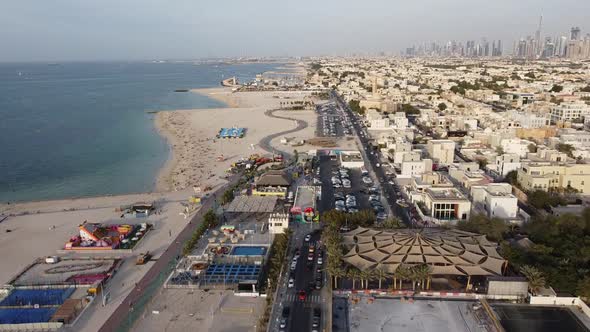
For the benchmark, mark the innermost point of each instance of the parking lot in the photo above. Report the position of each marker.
(332, 122)
(348, 190)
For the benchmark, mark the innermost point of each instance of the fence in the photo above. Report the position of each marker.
(138, 307)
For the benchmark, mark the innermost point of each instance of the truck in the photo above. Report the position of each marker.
(143, 258)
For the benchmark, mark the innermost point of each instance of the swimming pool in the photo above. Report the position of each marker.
(248, 251)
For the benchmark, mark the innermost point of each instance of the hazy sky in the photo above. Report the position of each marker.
(60, 30)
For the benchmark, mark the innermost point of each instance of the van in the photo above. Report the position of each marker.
(290, 196)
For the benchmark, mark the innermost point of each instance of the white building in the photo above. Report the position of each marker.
(413, 165)
(516, 146)
(569, 111)
(441, 151)
(351, 159)
(506, 163)
(278, 223)
(529, 119)
(496, 199)
(399, 120)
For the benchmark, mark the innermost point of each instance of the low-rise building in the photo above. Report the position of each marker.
(278, 223)
(442, 151)
(569, 111)
(554, 175)
(496, 199)
(446, 204)
(413, 165)
(351, 159)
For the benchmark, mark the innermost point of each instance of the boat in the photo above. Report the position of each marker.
(181, 90)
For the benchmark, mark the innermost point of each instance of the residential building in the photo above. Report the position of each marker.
(569, 111)
(441, 151)
(506, 163)
(554, 175)
(496, 200)
(278, 223)
(413, 165)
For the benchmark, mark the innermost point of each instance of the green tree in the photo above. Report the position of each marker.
(493, 228)
(499, 150)
(402, 273)
(530, 75)
(556, 88)
(534, 276)
(541, 199)
(512, 178)
(410, 109)
(583, 288)
(354, 274)
(355, 106)
(532, 148)
(421, 272)
(392, 223)
(442, 106)
(380, 273)
(566, 148)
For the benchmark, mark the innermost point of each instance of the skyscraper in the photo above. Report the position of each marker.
(575, 33)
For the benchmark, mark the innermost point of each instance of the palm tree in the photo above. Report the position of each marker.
(366, 275)
(422, 273)
(402, 273)
(534, 276)
(353, 274)
(338, 273)
(380, 273)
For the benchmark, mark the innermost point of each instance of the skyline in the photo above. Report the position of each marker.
(65, 30)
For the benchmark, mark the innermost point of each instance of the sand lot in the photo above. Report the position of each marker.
(195, 148)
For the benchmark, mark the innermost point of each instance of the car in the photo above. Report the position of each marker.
(317, 315)
(311, 248)
(339, 194)
(337, 185)
(346, 184)
(320, 260)
(374, 197)
(307, 237)
(318, 284)
(310, 257)
(353, 210)
(367, 180)
(291, 283)
(381, 216)
(293, 266)
(301, 295)
(295, 259)
(340, 208)
(391, 182)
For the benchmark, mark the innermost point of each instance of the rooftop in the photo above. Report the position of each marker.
(448, 194)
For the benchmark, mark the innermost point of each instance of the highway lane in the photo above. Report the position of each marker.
(174, 250)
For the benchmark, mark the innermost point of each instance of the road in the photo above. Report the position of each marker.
(174, 251)
(265, 141)
(389, 192)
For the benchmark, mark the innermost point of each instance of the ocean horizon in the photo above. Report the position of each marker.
(84, 129)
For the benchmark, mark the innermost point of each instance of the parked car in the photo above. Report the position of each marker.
(291, 283)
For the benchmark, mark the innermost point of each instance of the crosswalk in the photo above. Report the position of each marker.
(308, 298)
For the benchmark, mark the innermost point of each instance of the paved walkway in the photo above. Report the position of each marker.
(173, 251)
(265, 142)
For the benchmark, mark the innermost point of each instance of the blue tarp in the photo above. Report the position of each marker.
(20, 297)
(26, 315)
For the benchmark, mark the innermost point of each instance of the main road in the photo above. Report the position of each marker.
(174, 250)
(391, 194)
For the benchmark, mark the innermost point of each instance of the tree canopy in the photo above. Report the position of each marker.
(561, 251)
(442, 106)
(493, 228)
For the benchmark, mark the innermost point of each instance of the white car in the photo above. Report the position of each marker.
(293, 266)
(291, 283)
(307, 238)
(320, 261)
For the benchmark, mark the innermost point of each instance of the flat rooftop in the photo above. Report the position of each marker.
(527, 318)
(305, 197)
(389, 315)
(448, 194)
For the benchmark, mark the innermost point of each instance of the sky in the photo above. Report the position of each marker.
(94, 30)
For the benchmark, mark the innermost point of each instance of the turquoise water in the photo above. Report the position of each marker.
(81, 129)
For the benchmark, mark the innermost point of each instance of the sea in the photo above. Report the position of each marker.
(72, 130)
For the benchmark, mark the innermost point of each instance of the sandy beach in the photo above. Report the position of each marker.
(195, 148)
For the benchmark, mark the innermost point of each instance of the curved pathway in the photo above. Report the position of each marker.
(265, 141)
